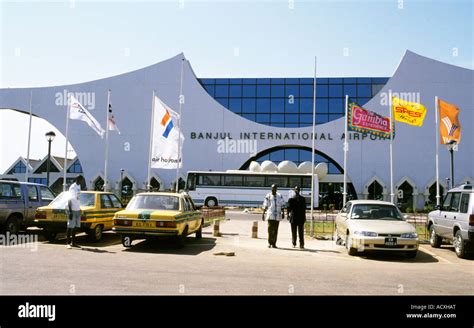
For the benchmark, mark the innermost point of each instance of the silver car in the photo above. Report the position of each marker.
(454, 221)
(371, 225)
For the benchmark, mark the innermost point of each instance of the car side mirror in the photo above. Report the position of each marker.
(405, 217)
(344, 215)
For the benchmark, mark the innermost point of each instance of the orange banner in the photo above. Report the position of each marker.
(449, 127)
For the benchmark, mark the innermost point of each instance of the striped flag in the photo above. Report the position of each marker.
(112, 125)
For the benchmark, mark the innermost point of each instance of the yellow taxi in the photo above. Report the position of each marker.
(158, 214)
(97, 213)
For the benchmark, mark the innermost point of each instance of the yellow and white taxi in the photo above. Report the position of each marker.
(97, 213)
(158, 214)
(371, 225)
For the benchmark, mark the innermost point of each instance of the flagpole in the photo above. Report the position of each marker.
(313, 148)
(67, 138)
(179, 159)
(392, 195)
(107, 143)
(29, 139)
(346, 148)
(437, 152)
(148, 185)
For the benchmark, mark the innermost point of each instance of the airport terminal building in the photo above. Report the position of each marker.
(275, 114)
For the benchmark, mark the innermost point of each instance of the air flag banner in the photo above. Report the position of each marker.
(364, 121)
(78, 112)
(450, 127)
(408, 112)
(167, 138)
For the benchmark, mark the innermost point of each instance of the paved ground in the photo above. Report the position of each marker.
(159, 268)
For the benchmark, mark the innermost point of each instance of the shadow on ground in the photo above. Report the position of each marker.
(193, 246)
(421, 257)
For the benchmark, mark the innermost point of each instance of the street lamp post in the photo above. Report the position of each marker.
(121, 183)
(49, 137)
(452, 146)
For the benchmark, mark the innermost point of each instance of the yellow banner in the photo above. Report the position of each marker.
(450, 127)
(408, 112)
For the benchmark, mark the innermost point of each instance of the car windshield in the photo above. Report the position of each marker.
(375, 212)
(154, 202)
(61, 200)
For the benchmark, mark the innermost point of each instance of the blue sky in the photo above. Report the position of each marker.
(61, 42)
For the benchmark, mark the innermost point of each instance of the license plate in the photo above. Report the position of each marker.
(58, 216)
(390, 241)
(141, 224)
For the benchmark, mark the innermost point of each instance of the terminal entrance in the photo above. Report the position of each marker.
(331, 187)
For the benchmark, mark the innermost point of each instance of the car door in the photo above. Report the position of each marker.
(11, 200)
(342, 219)
(441, 222)
(116, 206)
(32, 199)
(452, 215)
(106, 211)
(189, 215)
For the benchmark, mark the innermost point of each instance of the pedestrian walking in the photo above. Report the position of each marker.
(297, 216)
(273, 211)
(74, 213)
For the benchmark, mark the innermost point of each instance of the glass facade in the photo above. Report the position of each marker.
(18, 168)
(75, 167)
(288, 102)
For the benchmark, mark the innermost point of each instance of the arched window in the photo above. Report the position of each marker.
(432, 191)
(375, 190)
(406, 191)
(155, 184)
(98, 184)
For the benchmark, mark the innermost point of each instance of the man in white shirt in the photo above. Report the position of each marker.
(273, 207)
(73, 207)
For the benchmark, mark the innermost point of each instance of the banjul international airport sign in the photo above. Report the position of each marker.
(281, 136)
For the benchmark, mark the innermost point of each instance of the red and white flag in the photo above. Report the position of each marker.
(112, 125)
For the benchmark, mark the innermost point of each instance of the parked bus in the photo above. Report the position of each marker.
(245, 188)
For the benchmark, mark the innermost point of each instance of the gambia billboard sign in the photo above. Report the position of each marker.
(362, 120)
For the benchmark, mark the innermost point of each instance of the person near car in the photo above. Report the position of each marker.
(74, 211)
(273, 211)
(297, 216)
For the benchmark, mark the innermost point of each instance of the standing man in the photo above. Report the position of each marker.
(74, 210)
(274, 203)
(297, 216)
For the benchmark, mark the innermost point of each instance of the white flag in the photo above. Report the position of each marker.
(78, 112)
(112, 124)
(166, 138)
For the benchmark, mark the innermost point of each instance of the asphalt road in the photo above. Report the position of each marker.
(157, 267)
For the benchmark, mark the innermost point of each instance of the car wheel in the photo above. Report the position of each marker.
(50, 235)
(459, 245)
(435, 240)
(211, 202)
(411, 254)
(181, 239)
(126, 241)
(13, 225)
(350, 250)
(199, 232)
(96, 233)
